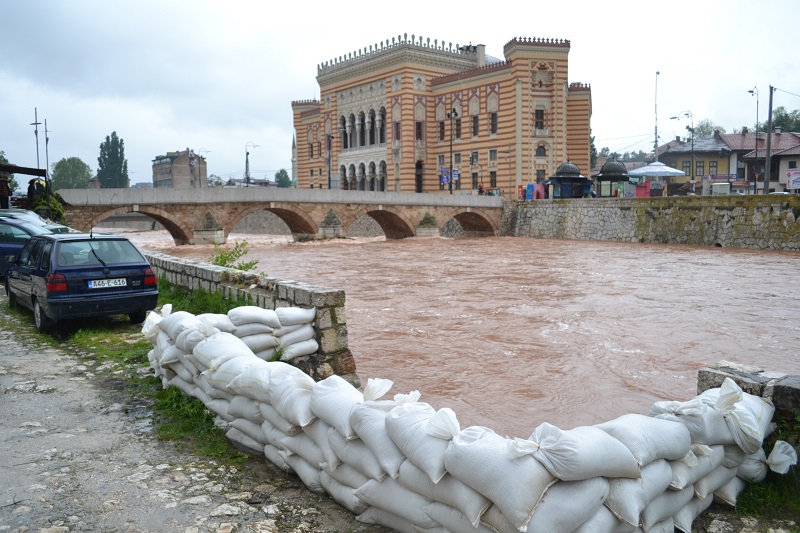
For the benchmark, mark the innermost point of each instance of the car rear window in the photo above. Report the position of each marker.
(98, 252)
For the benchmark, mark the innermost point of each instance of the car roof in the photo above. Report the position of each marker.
(65, 237)
(27, 225)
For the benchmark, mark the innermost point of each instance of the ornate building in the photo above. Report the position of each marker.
(180, 170)
(399, 115)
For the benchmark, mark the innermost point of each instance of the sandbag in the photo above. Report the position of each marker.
(391, 496)
(298, 349)
(273, 417)
(273, 456)
(304, 446)
(251, 429)
(332, 399)
(650, 438)
(356, 454)
(283, 330)
(260, 341)
(452, 519)
(493, 466)
(318, 432)
(217, 320)
(244, 407)
(754, 466)
(255, 381)
(627, 498)
(664, 506)
(698, 463)
(407, 426)
(290, 394)
(150, 327)
(266, 355)
(604, 521)
(219, 348)
(685, 516)
(219, 407)
(288, 316)
(343, 494)
(178, 321)
(568, 504)
(308, 474)
(748, 417)
(211, 390)
(252, 313)
(273, 435)
(186, 387)
(182, 371)
(706, 425)
(448, 490)
(301, 334)
(582, 453)
(368, 420)
(729, 492)
(169, 355)
(253, 328)
(374, 515)
(348, 476)
(707, 485)
(189, 338)
(220, 376)
(243, 441)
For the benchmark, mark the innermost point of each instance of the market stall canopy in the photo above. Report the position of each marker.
(656, 169)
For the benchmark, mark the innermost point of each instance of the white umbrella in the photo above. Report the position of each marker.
(656, 169)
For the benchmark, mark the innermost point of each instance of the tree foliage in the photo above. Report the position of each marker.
(70, 173)
(785, 120)
(12, 182)
(112, 167)
(592, 151)
(214, 181)
(282, 178)
(705, 129)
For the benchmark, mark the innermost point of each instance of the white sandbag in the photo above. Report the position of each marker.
(288, 316)
(186, 387)
(343, 494)
(283, 330)
(492, 465)
(665, 526)
(189, 338)
(748, 416)
(163, 340)
(150, 327)
(219, 348)
(211, 390)
(266, 355)
(273, 435)
(169, 355)
(301, 334)
(219, 407)
(706, 486)
(178, 321)
(376, 516)
(368, 420)
(304, 446)
(582, 453)
(298, 349)
(244, 407)
(604, 521)
(729, 492)
(406, 424)
(251, 313)
(705, 424)
(734, 456)
(496, 520)
(391, 496)
(273, 417)
(273, 456)
(782, 457)
(452, 519)
(448, 490)
(348, 476)
(698, 463)
(187, 360)
(650, 438)
(308, 474)
(243, 441)
(216, 320)
(568, 504)
(318, 432)
(685, 516)
(754, 466)
(220, 376)
(253, 328)
(255, 381)
(260, 342)
(332, 399)
(249, 428)
(664, 506)
(290, 394)
(356, 454)
(627, 498)
(182, 372)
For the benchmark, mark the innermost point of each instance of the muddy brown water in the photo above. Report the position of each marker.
(512, 332)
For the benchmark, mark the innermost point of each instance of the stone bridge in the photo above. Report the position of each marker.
(203, 216)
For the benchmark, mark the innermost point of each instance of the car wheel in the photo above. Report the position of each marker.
(137, 317)
(39, 318)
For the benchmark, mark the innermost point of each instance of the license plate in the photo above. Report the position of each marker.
(104, 283)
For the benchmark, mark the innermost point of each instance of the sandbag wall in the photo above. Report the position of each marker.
(405, 465)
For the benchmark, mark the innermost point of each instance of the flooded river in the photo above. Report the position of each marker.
(513, 332)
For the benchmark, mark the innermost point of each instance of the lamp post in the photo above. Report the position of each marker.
(655, 143)
(690, 130)
(768, 157)
(451, 115)
(754, 91)
(247, 162)
(329, 146)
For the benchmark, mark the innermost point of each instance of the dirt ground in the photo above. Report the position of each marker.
(77, 454)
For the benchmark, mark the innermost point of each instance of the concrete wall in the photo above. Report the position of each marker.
(770, 222)
(333, 357)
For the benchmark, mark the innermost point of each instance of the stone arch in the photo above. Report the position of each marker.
(394, 223)
(181, 234)
(475, 222)
(299, 222)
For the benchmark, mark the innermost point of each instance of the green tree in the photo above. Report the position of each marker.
(12, 182)
(592, 151)
(70, 173)
(214, 181)
(112, 167)
(282, 178)
(705, 129)
(785, 120)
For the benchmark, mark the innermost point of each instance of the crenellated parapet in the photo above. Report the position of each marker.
(578, 86)
(536, 41)
(382, 47)
(296, 103)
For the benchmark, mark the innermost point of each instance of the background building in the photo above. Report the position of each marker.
(398, 115)
(180, 170)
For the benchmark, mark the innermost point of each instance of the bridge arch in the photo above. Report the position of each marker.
(176, 227)
(299, 222)
(473, 221)
(393, 222)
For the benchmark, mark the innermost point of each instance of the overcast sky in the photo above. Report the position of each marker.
(215, 75)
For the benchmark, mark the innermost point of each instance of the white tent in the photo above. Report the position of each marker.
(656, 169)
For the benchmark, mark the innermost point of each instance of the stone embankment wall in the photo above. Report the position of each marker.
(330, 325)
(770, 222)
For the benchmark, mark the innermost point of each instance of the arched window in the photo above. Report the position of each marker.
(541, 151)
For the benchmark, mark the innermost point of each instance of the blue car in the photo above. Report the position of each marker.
(80, 275)
(14, 234)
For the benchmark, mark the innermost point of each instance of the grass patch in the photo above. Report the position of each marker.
(196, 302)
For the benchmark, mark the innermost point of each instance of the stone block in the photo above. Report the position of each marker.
(786, 394)
(324, 318)
(302, 295)
(333, 340)
(324, 297)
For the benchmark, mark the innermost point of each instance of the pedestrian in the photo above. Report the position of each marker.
(481, 190)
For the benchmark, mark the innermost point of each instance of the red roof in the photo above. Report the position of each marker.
(746, 141)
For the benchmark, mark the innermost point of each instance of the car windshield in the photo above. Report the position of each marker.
(98, 252)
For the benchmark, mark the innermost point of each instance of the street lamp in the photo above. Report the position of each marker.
(451, 115)
(690, 130)
(754, 91)
(329, 146)
(247, 162)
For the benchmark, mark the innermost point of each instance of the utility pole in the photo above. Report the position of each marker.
(767, 169)
(655, 143)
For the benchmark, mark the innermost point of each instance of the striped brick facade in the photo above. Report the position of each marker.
(386, 113)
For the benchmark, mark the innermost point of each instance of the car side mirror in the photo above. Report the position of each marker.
(10, 259)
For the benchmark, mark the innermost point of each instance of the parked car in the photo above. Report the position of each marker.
(34, 218)
(14, 234)
(79, 275)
